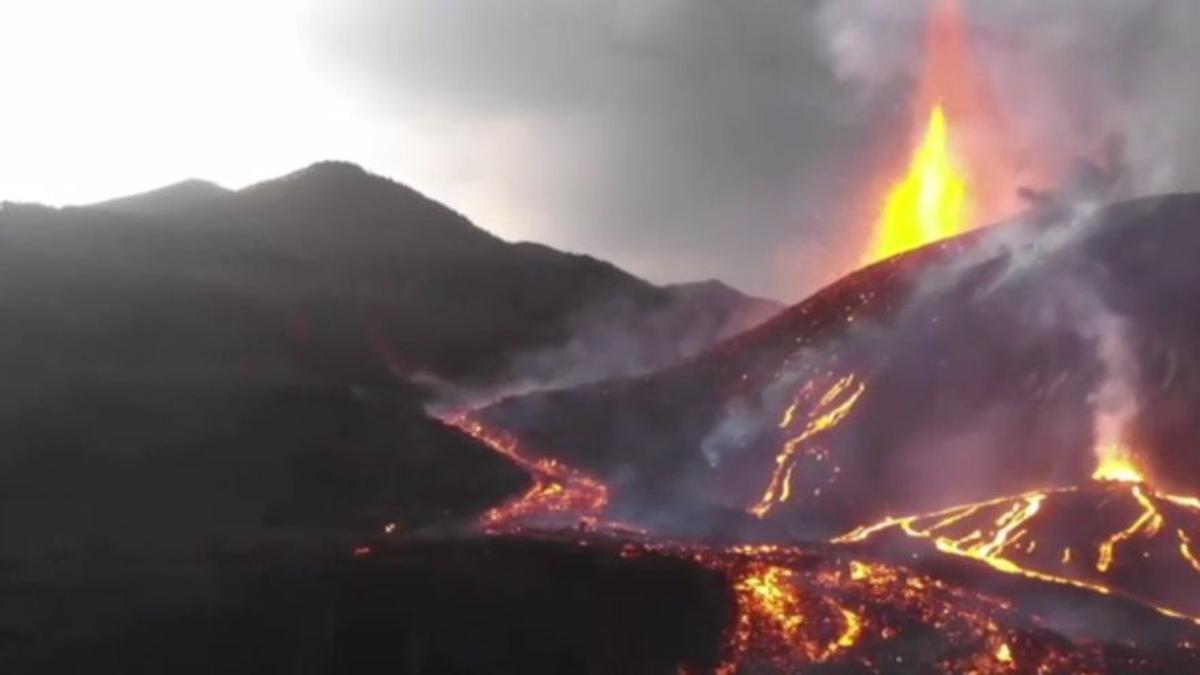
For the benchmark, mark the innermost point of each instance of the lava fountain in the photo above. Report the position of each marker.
(964, 163)
(927, 204)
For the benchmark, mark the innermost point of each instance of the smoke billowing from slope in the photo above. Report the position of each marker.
(1116, 398)
(1069, 300)
(1037, 275)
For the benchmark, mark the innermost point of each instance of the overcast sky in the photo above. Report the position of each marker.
(681, 139)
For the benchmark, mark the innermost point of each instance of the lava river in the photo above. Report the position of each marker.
(1108, 536)
(796, 607)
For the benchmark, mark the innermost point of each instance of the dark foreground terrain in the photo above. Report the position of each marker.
(472, 606)
(202, 447)
(562, 605)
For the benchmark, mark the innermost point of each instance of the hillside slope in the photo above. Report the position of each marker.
(195, 362)
(962, 371)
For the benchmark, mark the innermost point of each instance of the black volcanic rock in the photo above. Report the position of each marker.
(981, 359)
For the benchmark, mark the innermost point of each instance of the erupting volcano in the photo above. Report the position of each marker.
(929, 203)
(928, 384)
(964, 165)
(987, 363)
(974, 451)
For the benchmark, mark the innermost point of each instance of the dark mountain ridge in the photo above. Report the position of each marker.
(195, 363)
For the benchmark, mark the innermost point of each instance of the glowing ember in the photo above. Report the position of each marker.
(929, 203)
(1003, 653)
(795, 610)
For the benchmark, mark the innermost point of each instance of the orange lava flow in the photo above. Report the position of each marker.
(1003, 533)
(559, 493)
(1147, 524)
(795, 610)
(835, 404)
(777, 618)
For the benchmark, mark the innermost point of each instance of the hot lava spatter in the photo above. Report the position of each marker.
(1102, 536)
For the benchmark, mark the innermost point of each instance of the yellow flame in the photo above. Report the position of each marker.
(1117, 465)
(929, 203)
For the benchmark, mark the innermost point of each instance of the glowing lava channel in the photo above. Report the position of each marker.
(835, 404)
(560, 494)
(1001, 531)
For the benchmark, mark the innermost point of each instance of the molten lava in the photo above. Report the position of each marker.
(834, 405)
(796, 609)
(1116, 464)
(1045, 535)
(964, 163)
(930, 202)
(560, 494)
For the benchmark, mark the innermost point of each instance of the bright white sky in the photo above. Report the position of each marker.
(108, 97)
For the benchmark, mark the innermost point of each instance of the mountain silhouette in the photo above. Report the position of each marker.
(174, 198)
(195, 363)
